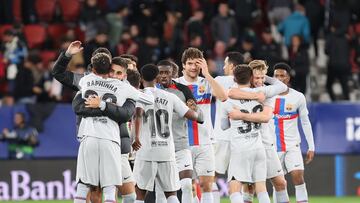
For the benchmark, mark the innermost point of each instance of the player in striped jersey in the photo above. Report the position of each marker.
(200, 134)
(289, 107)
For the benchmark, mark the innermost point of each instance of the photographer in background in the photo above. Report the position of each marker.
(21, 140)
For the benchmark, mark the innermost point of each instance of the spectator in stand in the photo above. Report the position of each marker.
(300, 63)
(91, 17)
(149, 51)
(268, 49)
(245, 13)
(195, 26)
(196, 41)
(7, 100)
(22, 140)
(218, 58)
(172, 35)
(296, 24)
(338, 50)
(6, 12)
(223, 26)
(279, 10)
(340, 17)
(247, 48)
(117, 23)
(14, 53)
(101, 40)
(127, 45)
(24, 81)
(315, 12)
(355, 58)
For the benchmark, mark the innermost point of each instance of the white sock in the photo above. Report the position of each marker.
(172, 199)
(282, 196)
(186, 189)
(236, 197)
(216, 193)
(109, 194)
(196, 199)
(263, 197)
(129, 198)
(207, 197)
(301, 193)
(274, 195)
(81, 193)
(248, 198)
(139, 201)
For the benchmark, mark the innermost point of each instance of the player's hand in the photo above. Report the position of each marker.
(93, 101)
(74, 48)
(191, 104)
(136, 145)
(260, 97)
(235, 114)
(309, 156)
(203, 66)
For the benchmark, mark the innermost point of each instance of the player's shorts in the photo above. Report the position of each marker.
(249, 166)
(291, 159)
(184, 160)
(164, 174)
(222, 156)
(273, 165)
(99, 162)
(126, 172)
(203, 160)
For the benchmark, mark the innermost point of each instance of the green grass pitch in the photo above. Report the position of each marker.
(225, 200)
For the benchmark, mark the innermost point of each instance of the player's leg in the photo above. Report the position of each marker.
(259, 172)
(159, 194)
(109, 194)
(140, 195)
(222, 159)
(280, 188)
(261, 192)
(95, 195)
(205, 169)
(295, 165)
(248, 192)
(185, 168)
(234, 191)
(127, 189)
(194, 191)
(167, 178)
(81, 192)
(144, 175)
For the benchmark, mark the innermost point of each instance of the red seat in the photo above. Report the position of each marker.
(17, 10)
(3, 28)
(56, 32)
(45, 9)
(357, 28)
(47, 57)
(70, 9)
(35, 35)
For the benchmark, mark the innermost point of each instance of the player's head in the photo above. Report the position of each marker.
(149, 72)
(175, 72)
(99, 50)
(188, 60)
(242, 74)
(232, 59)
(165, 72)
(133, 60)
(101, 63)
(133, 77)
(282, 72)
(118, 68)
(259, 69)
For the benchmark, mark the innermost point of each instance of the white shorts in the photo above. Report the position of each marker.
(99, 162)
(203, 159)
(164, 174)
(248, 167)
(291, 159)
(222, 156)
(184, 160)
(273, 165)
(126, 171)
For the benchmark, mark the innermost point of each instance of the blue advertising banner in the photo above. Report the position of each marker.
(336, 130)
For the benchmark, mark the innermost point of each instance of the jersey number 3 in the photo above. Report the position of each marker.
(249, 125)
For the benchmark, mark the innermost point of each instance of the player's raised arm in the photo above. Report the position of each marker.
(276, 87)
(306, 126)
(236, 93)
(259, 117)
(216, 88)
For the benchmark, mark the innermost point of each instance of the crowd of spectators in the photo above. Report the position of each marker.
(159, 29)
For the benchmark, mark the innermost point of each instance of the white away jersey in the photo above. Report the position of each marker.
(226, 82)
(200, 134)
(287, 109)
(156, 137)
(110, 90)
(245, 135)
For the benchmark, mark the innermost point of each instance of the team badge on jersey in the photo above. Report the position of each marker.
(201, 89)
(289, 107)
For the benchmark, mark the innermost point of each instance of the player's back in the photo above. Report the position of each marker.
(245, 135)
(156, 136)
